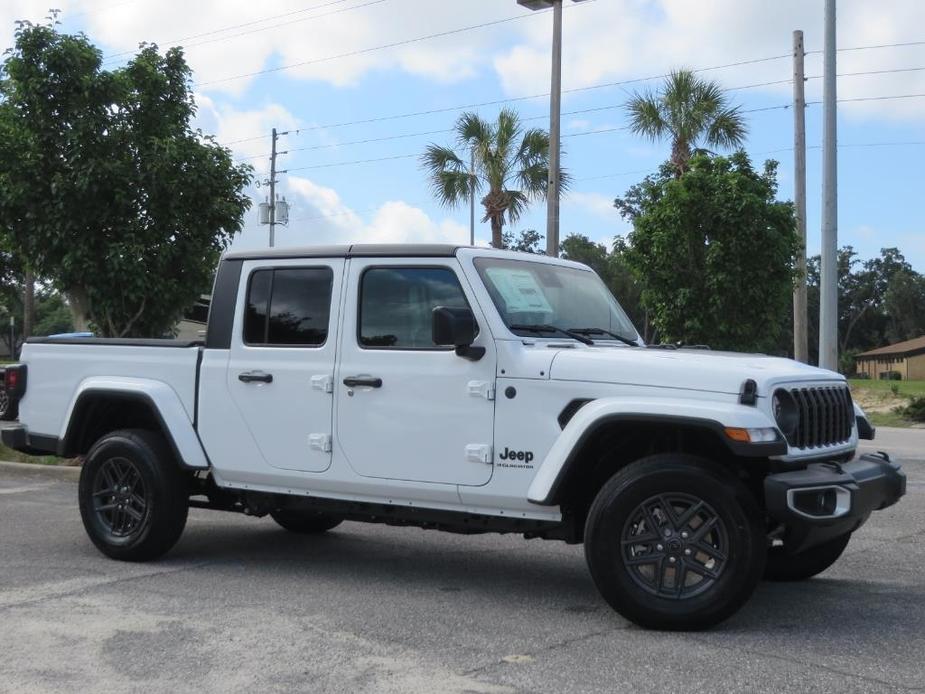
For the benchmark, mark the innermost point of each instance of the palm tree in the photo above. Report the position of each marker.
(691, 112)
(511, 165)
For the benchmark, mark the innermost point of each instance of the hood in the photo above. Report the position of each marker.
(691, 369)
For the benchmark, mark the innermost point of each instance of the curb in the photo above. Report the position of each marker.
(60, 472)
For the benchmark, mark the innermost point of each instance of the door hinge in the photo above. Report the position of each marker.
(482, 389)
(323, 382)
(479, 453)
(320, 442)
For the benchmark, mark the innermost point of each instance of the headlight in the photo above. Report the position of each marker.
(786, 413)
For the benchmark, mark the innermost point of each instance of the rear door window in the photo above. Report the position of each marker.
(288, 307)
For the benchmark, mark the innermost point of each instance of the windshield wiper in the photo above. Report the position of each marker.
(601, 331)
(542, 328)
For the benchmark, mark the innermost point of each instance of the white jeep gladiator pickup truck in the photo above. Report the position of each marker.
(468, 390)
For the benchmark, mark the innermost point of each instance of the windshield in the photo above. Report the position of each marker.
(531, 295)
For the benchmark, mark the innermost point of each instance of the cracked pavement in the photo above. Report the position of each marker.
(241, 604)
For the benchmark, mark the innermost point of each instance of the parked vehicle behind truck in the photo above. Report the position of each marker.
(468, 390)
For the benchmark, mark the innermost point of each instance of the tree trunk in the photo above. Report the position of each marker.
(28, 304)
(680, 156)
(497, 227)
(79, 304)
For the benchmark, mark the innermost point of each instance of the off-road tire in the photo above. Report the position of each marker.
(159, 495)
(304, 522)
(783, 566)
(736, 533)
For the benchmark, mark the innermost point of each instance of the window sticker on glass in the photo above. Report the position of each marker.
(519, 289)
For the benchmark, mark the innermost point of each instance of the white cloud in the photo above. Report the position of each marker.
(595, 203)
(579, 124)
(626, 39)
(320, 216)
(231, 125)
(34, 11)
(309, 36)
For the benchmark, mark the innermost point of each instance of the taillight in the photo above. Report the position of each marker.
(14, 380)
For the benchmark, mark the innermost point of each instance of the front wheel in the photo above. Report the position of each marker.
(133, 496)
(674, 542)
(783, 566)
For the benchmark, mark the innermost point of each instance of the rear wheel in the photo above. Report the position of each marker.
(783, 566)
(304, 522)
(133, 496)
(673, 542)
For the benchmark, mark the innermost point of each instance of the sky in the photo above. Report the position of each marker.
(362, 86)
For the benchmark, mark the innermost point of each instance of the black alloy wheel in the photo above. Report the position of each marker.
(120, 497)
(133, 495)
(675, 545)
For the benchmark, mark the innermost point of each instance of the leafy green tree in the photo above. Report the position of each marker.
(714, 250)
(105, 188)
(692, 113)
(528, 241)
(52, 315)
(904, 304)
(881, 300)
(511, 167)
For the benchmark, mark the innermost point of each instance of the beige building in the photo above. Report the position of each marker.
(905, 358)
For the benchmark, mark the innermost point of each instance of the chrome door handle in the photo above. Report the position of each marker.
(359, 381)
(255, 377)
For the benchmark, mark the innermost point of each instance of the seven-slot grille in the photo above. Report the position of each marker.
(826, 416)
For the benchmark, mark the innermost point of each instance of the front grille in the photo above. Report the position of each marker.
(826, 416)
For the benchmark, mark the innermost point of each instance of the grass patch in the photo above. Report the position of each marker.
(11, 456)
(905, 388)
(889, 419)
(883, 401)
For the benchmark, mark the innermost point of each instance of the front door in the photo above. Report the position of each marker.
(406, 408)
(281, 365)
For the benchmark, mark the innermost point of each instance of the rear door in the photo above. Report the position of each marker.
(281, 365)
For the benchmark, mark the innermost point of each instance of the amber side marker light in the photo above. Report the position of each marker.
(759, 435)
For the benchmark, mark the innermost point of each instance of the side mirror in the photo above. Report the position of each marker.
(456, 327)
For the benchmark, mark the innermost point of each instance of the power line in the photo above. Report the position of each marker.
(253, 22)
(498, 102)
(363, 51)
(351, 163)
(880, 45)
(442, 131)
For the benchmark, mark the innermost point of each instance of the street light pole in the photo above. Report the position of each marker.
(828, 295)
(555, 116)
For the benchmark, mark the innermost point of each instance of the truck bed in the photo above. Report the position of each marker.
(60, 368)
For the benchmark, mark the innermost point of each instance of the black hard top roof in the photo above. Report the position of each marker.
(356, 250)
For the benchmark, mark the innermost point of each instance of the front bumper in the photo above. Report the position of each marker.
(826, 500)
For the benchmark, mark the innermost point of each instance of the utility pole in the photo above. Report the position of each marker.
(800, 332)
(273, 189)
(555, 116)
(828, 295)
(472, 197)
(274, 211)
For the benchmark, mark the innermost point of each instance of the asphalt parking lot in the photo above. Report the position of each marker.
(242, 605)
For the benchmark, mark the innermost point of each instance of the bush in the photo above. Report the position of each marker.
(915, 410)
(894, 388)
